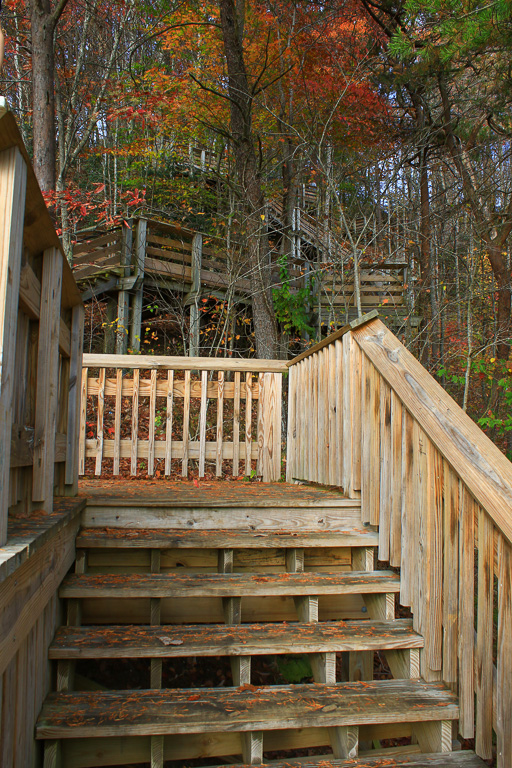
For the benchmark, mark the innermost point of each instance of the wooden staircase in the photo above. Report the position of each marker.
(241, 579)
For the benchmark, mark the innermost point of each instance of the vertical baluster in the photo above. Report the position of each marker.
(168, 422)
(202, 422)
(117, 421)
(99, 426)
(135, 421)
(248, 423)
(151, 426)
(236, 424)
(83, 423)
(220, 423)
(186, 423)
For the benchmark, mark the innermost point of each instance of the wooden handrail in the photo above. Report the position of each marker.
(365, 415)
(478, 462)
(171, 363)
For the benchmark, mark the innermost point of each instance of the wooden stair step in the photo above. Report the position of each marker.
(460, 759)
(218, 640)
(346, 535)
(201, 710)
(177, 584)
(237, 497)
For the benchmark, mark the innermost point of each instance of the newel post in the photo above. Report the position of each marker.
(13, 182)
(269, 426)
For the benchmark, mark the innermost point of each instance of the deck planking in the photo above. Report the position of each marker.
(170, 641)
(120, 492)
(461, 759)
(248, 708)
(229, 584)
(159, 538)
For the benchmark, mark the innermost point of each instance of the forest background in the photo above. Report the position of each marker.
(395, 117)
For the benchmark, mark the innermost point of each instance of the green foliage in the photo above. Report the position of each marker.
(445, 30)
(491, 392)
(294, 669)
(291, 307)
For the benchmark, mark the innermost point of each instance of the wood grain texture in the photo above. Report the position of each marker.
(484, 638)
(165, 363)
(13, 181)
(467, 614)
(171, 641)
(478, 462)
(219, 538)
(172, 711)
(504, 660)
(47, 378)
(226, 585)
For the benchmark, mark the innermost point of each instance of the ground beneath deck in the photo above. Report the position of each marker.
(207, 492)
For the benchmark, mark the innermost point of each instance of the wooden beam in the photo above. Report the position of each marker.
(167, 363)
(139, 261)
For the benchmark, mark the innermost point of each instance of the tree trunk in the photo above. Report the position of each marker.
(43, 99)
(504, 304)
(241, 100)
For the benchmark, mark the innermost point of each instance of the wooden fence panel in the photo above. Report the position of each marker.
(180, 414)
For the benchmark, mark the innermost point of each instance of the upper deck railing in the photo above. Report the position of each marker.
(156, 415)
(364, 414)
(169, 252)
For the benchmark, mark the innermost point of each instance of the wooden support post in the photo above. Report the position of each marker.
(269, 427)
(404, 663)
(307, 605)
(240, 665)
(291, 468)
(139, 262)
(123, 297)
(47, 379)
(157, 751)
(195, 292)
(13, 180)
(156, 664)
(157, 742)
(252, 747)
(52, 754)
(344, 739)
(66, 667)
(434, 736)
(360, 663)
(73, 421)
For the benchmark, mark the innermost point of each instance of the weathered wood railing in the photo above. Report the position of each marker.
(148, 412)
(41, 322)
(364, 414)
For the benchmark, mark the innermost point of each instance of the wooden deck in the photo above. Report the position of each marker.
(117, 491)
